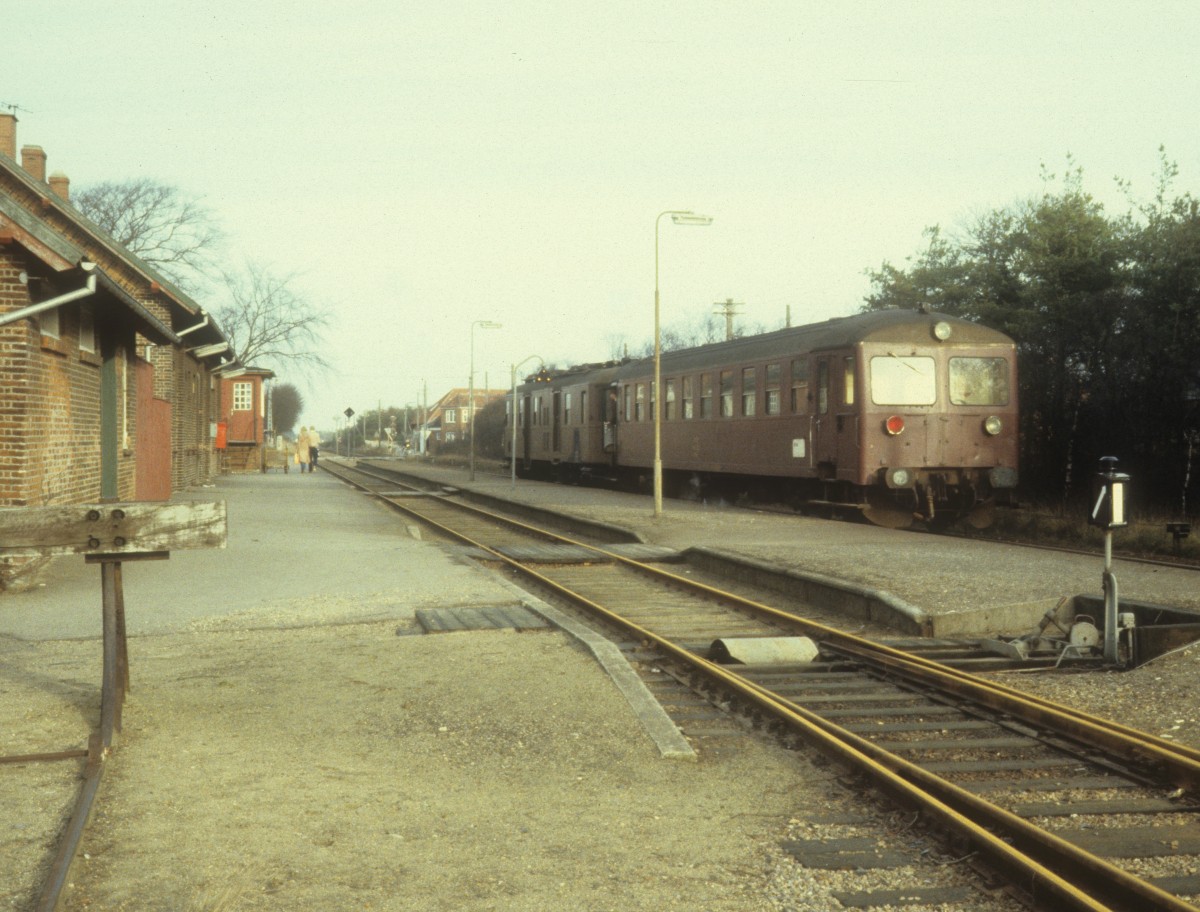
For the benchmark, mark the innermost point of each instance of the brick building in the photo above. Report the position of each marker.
(450, 417)
(245, 419)
(108, 374)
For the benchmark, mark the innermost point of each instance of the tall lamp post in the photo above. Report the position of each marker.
(482, 324)
(679, 217)
(513, 417)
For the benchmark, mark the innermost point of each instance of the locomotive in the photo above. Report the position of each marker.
(898, 414)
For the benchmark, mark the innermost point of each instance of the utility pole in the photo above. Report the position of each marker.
(728, 309)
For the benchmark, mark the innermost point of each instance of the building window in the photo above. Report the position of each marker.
(773, 399)
(450, 416)
(243, 397)
(48, 322)
(727, 394)
(799, 386)
(706, 395)
(749, 391)
(87, 329)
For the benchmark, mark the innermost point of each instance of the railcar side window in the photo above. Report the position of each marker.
(749, 391)
(583, 414)
(772, 390)
(567, 408)
(727, 394)
(640, 403)
(823, 387)
(979, 381)
(628, 404)
(706, 394)
(848, 381)
(687, 399)
(669, 386)
(903, 380)
(799, 386)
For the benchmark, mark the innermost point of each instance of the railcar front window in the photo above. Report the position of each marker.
(903, 380)
(978, 381)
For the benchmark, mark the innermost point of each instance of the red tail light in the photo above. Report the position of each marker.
(894, 425)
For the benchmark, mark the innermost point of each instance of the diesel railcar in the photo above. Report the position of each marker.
(899, 414)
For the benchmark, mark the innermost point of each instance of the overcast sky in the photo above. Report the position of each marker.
(424, 166)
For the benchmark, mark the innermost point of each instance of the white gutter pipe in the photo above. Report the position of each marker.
(34, 309)
(203, 323)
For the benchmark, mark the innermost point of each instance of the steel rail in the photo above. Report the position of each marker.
(1177, 762)
(1024, 852)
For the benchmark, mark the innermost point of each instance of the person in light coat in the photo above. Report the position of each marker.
(302, 448)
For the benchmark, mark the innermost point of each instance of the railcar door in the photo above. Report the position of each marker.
(527, 428)
(556, 423)
(825, 441)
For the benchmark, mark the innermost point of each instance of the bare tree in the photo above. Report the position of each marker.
(173, 233)
(269, 323)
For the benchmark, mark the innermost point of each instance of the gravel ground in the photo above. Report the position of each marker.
(309, 758)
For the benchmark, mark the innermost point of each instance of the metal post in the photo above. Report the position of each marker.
(513, 418)
(1111, 614)
(484, 324)
(679, 217)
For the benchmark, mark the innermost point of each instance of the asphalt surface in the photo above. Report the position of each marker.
(302, 549)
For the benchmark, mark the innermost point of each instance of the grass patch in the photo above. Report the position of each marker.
(1146, 536)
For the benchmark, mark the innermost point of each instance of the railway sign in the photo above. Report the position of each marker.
(349, 413)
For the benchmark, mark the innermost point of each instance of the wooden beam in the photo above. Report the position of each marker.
(112, 528)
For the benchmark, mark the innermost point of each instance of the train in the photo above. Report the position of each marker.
(899, 415)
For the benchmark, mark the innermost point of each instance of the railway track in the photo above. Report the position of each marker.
(1071, 811)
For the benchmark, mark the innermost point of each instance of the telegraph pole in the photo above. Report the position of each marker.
(727, 308)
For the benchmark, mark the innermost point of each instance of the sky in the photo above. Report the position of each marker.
(423, 167)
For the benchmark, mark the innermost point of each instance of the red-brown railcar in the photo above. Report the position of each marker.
(898, 413)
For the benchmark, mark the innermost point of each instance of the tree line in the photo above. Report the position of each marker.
(1105, 311)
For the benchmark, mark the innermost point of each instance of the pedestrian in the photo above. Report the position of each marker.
(302, 448)
(314, 446)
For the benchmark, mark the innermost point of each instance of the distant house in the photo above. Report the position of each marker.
(109, 375)
(449, 418)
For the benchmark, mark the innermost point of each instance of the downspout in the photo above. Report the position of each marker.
(40, 306)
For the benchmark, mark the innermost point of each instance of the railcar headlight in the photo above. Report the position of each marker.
(894, 425)
(941, 330)
(993, 425)
(899, 478)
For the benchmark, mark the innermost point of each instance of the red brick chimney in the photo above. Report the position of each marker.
(33, 160)
(8, 135)
(60, 184)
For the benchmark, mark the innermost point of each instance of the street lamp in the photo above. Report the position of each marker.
(679, 217)
(482, 324)
(513, 416)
